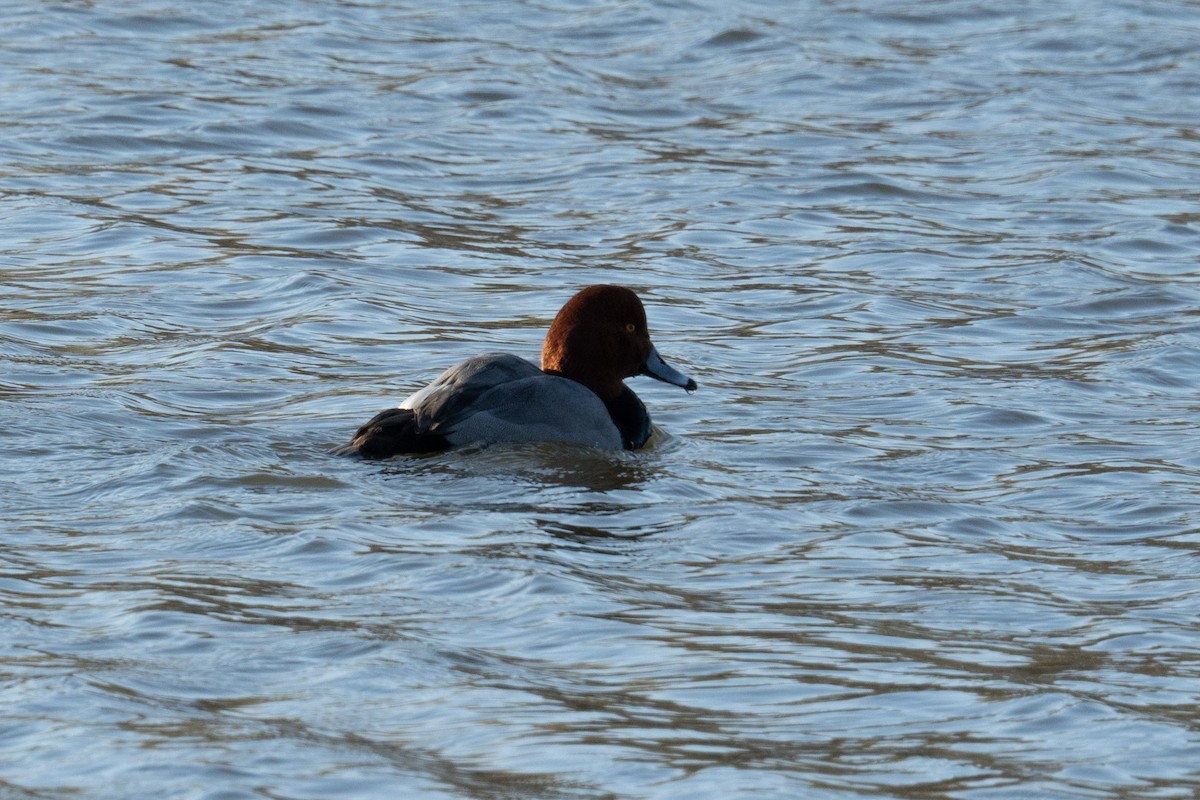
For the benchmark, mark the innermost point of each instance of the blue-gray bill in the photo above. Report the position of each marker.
(655, 367)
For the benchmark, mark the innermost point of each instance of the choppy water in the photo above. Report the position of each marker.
(928, 530)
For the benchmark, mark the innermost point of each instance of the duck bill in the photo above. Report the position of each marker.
(655, 367)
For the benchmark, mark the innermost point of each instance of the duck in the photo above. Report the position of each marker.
(578, 395)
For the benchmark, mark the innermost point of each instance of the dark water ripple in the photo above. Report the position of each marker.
(927, 531)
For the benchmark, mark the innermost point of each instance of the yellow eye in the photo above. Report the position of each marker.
(630, 327)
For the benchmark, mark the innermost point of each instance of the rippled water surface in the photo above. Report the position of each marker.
(929, 528)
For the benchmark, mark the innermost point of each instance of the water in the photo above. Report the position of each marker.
(928, 530)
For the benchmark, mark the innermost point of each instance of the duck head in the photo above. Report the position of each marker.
(600, 337)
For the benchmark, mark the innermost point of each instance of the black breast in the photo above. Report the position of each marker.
(631, 418)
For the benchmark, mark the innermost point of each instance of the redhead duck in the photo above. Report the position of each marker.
(598, 339)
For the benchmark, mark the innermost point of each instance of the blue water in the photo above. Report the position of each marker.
(929, 529)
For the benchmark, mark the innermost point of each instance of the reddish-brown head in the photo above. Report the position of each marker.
(600, 337)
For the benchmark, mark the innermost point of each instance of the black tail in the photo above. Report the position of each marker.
(390, 433)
